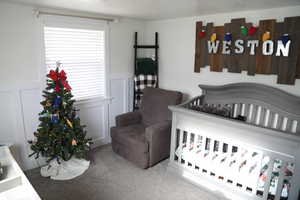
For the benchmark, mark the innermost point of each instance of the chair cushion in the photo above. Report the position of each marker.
(155, 102)
(132, 137)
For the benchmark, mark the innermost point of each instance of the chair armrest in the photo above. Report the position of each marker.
(128, 118)
(159, 139)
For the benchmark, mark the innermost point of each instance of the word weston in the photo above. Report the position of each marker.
(240, 45)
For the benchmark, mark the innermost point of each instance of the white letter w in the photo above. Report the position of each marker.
(213, 46)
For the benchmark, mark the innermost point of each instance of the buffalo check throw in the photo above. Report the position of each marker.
(141, 82)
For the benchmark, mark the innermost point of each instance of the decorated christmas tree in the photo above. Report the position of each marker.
(59, 136)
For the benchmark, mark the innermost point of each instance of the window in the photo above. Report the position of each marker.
(81, 53)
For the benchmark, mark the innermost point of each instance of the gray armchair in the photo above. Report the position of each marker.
(143, 136)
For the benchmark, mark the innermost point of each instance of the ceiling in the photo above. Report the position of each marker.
(159, 9)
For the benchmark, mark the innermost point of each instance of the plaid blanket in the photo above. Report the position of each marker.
(141, 82)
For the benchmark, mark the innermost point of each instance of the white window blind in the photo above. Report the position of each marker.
(81, 53)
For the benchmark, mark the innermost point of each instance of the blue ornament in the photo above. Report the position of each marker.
(54, 118)
(228, 37)
(57, 102)
(284, 38)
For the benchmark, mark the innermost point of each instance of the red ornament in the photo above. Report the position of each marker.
(252, 30)
(202, 34)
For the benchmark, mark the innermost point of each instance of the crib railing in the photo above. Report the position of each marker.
(248, 161)
(258, 115)
(254, 172)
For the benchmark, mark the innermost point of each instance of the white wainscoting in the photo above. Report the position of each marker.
(121, 97)
(94, 114)
(19, 108)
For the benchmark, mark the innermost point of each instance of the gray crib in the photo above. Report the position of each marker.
(242, 139)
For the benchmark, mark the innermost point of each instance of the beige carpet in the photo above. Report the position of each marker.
(110, 177)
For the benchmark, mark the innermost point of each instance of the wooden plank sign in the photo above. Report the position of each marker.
(271, 48)
(264, 62)
(216, 59)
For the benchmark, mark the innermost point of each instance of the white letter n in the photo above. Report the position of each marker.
(284, 49)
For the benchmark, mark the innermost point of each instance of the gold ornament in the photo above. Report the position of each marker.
(48, 104)
(69, 123)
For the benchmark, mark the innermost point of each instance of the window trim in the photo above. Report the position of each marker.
(77, 23)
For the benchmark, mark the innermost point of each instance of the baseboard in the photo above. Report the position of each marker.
(99, 142)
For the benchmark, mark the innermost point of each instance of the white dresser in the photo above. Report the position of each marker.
(14, 185)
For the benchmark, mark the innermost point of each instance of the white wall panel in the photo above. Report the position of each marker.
(29, 109)
(7, 118)
(95, 116)
(30, 99)
(119, 100)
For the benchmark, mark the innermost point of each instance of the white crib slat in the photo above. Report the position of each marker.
(188, 144)
(279, 122)
(188, 140)
(268, 181)
(203, 144)
(297, 127)
(289, 125)
(199, 101)
(211, 152)
(258, 115)
(255, 186)
(285, 124)
(275, 121)
(267, 116)
(180, 145)
(254, 114)
(211, 145)
(233, 106)
(229, 149)
(280, 180)
(251, 107)
(198, 141)
(243, 109)
(173, 138)
(220, 147)
(262, 116)
(238, 109)
(247, 111)
(271, 120)
(193, 141)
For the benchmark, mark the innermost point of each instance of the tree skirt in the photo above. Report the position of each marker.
(66, 170)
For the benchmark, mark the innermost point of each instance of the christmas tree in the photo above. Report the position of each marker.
(60, 134)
